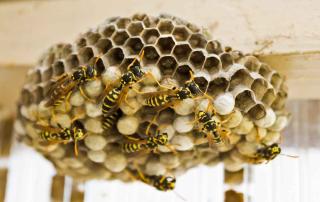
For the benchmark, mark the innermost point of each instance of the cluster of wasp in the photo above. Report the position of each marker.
(210, 127)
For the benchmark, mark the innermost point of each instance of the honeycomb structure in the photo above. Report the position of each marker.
(249, 93)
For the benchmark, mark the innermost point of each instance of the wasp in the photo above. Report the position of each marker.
(75, 133)
(212, 128)
(268, 153)
(109, 121)
(160, 182)
(113, 97)
(63, 87)
(169, 98)
(151, 143)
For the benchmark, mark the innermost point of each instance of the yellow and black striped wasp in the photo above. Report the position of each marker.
(212, 128)
(151, 143)
(75, 133)
(267, 153)
(109, 121)
(112, 98)
(160, 182)
(63, 87)
(169, 98)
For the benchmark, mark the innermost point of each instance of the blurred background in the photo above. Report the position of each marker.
(285, 34)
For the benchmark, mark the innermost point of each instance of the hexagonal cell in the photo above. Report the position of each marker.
(197, 58)
(265, 70)
(212, 64)
(122, 23)
(126, 62)
(252, 63)
(135, 28)
(58, 68)
(98, 65)
(280, 101)
(150, 36)
(138, 16)
(182, 52)
(151, 55)
(167, 65)
(112, 19)
(104, 45)
(244, 100)
(240, 77)
(202, 83)
(108, 30)
(38, 95)
(269, 97)
(143, 127)
(226, 60)
(276, 80)
(81, 42)
(92, 37)
(193, 27)
(259, 87)
(150, 21)
(120, 37)
(134, 45)
(34, 76)
(115, 56)
(217, 86)
(197, 41)
(214, 47)
(181, 33)
(66, 50)
(26, 97)
(165, 26)
(85, 54)
(257, 112)
(72, 61)
(165, 44)
(182, 73)
(48, 60)
(47, 74)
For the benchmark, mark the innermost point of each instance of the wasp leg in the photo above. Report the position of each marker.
(125, 99)
(141, 54)
(158, 83)
(82, 92)
(67, 102)
(76, 148)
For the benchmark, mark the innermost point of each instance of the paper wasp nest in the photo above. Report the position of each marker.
(241, 86)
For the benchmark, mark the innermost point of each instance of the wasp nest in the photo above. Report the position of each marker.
(245, 91)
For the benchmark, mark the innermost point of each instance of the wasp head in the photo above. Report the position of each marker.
(194, 88)
(168, 183)
(203, 116)
(136, 70)
(162, 139)
(90, 72)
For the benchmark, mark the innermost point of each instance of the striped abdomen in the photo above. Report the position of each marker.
(61, 136)
(131, 147)
(157, 101)
(109, 121)
(211, 127)
(111, 99)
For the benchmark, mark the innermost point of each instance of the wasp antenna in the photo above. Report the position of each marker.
(75, 148)
(141, 55)
(291, 156)
(179, 195)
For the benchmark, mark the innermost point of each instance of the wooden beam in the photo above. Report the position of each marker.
(30, 27)
(3, 183)
(6, 132)
(57, 188)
